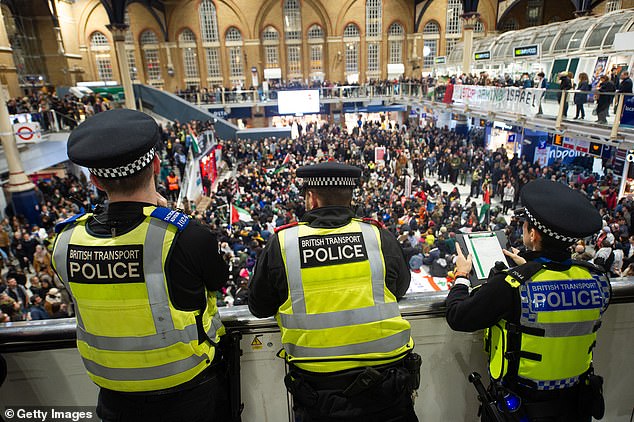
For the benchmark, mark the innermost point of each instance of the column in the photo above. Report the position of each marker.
(118, 35)
(22, 190)
(470, 20)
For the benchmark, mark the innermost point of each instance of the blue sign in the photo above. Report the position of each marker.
(549, 296)
(567, 156)
(627, 119)
(542, 144)
(511, 138)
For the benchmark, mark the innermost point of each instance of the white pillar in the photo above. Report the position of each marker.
(118, 35)
(18, 182)
(470, 21)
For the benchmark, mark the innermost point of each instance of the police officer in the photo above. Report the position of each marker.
(542, 316)
(143, 279)
(332, 281)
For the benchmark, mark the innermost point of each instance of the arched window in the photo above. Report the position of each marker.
(271, 42)
(351, 31)
(534, 12)
(210, 40)
(150, 46)
(430, 51)
(432, 28)
(270, 34)
(351, 40)
(233, 42)
(612, 5)
(315, 33)
(293, 37)
(316, 40)
(187, 43)
(100, 48)
(373, 18)
(454, 10)
(395, 37)
(208, 21)
(509, 25)
(373, 33)
(129, 49)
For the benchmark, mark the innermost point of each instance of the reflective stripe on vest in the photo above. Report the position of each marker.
(144, 374)
(383, 345)
(299, 319)
(123, 344)
(317, 326)
(126, 362)
(560, 315)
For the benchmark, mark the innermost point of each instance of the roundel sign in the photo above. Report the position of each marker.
(25, 133)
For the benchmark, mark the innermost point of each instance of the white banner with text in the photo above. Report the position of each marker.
(524, 101)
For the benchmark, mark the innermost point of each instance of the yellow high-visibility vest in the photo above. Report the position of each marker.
(129, 334)
(339, 313)
(552, 345)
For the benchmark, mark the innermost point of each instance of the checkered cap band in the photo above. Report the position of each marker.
(330, 181)
(547, 231)
(127, 170)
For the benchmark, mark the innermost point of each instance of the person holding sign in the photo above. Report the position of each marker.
(540, 317)
(332, 281)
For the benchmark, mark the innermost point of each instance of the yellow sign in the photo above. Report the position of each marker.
(256, 344)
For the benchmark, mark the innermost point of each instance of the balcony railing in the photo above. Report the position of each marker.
(553, 104)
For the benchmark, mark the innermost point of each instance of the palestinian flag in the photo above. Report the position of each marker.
(483, 212)
(240, 214)
(287, 160)
(194, 139)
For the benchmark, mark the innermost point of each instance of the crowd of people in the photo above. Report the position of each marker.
(58, 113)
(29, 289)
(329, 89)
(415, 192)
(430, 185)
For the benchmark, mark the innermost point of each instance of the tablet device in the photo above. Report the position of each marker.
(486, 250)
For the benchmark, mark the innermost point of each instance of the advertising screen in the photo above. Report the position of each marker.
(298, 102)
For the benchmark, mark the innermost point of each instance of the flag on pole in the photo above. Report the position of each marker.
(194, 139)
(285, 162)
(483, 212)
(240, 214)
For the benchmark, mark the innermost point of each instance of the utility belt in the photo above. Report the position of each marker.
(355, 391)
(515, 400)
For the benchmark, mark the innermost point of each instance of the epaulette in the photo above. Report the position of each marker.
(175, 218)
(593, 268)
(523, 273)
(374, 222)
(62, 224)
(286, 226)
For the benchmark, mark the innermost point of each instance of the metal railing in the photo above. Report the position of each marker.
(556, 105)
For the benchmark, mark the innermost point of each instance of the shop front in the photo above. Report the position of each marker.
(500, 135)
(388, 116)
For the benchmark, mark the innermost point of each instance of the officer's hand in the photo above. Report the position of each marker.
(513, 254)
(160, 200)
(463, 265)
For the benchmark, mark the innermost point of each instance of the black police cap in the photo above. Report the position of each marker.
(558, 211)
(329, 174)
(115, 143)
